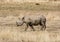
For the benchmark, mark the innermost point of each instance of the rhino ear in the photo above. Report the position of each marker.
(23, 18)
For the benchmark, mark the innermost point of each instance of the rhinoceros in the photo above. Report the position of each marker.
(32, 20)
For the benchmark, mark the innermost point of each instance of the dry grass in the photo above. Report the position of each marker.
(32, 36)
(31, 6)
(9, 13)
(9, 32)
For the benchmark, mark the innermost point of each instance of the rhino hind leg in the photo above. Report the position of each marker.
(43, 26)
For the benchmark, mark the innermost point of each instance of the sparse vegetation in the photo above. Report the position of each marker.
(31, 6)
(9, 13)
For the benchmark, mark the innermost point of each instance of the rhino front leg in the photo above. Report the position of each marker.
(26, 27)
(32, 27)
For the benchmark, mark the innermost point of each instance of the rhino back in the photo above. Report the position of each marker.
(33, 18)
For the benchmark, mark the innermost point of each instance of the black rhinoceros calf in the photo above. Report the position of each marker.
(32, 21)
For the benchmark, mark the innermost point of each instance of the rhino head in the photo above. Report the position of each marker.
(20, 21)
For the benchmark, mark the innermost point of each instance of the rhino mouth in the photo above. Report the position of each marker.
(17, 25)
(20, 24)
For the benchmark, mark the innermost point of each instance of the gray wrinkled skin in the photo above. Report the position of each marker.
(33, 21)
